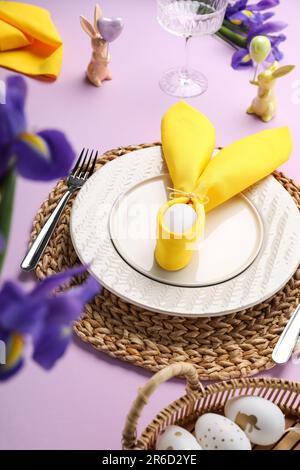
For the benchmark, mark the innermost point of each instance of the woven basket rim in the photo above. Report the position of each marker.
(283, 384)
(210, 390)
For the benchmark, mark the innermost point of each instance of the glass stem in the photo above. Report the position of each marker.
(187, 42)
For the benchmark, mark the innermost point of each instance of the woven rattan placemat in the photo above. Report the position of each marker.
(222, 347)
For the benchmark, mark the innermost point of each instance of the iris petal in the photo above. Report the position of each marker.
(235, 7)
(264, 5)
(51, 346)
(46, 317)
(241, 59)
(7, 373)
(12, 116)
(269, 27)
(45, 156)
(52, 282)
(19, 312)
(239, 17)
(65, 308)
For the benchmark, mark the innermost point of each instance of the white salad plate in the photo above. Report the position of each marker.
(250, 249)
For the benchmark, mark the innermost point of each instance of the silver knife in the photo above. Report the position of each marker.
(288, 339)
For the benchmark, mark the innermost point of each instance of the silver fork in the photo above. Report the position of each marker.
(82, 170)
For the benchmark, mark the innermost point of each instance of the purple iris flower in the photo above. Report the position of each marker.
(250, 20)
(243, 14)
(241, 5)
(45, 317)
(241, 58)
(44, 156)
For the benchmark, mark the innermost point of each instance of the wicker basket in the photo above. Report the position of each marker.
(212, 398)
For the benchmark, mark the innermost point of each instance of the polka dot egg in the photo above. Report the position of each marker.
(215, 432)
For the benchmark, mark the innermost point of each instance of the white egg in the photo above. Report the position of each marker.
(179, 218)
(215, 432)
(261, 420)
(176, 438)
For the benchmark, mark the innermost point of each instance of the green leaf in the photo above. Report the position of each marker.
(7, 194)
(235, 38)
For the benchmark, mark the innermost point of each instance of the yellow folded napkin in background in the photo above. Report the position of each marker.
(188, 143)
(29, 42)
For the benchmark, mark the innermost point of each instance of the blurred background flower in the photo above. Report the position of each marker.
(241, 58)
(244, 21)
(42, 317)
(243, 13)
(43, 156)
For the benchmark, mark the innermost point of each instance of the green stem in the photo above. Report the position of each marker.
(237, 39)
(7, 193)
(226, 40)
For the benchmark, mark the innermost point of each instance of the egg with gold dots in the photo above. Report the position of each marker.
(215, 432)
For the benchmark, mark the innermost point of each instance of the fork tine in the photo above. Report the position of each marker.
(74, 169)
(84, 172)
(93, 165)
(79, 172)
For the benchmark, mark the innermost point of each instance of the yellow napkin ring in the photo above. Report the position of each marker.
(174, 250)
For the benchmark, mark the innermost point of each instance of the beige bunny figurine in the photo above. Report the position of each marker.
(97, 70)
(264, 104)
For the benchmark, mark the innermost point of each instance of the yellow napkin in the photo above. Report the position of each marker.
(174, 251)
(188, 144)
(29, 42)
(188, 140)
(242, 164)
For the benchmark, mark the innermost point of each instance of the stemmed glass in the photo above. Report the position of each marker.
(188, 18)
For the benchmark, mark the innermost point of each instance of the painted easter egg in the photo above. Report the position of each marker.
(260, 48)
(260, 419)
(176, 438)
(179, 218)
(215, 432)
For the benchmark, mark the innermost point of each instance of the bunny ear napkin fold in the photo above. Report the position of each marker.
(29, 42)
(188, 142)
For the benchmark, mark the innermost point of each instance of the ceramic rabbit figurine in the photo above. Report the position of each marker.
(264, 104)
(97, 70)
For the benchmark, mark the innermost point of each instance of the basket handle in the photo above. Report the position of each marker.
(180, 368)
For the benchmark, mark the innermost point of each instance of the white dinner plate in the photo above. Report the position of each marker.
(250, 250)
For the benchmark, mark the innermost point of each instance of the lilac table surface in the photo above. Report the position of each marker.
(83, 402)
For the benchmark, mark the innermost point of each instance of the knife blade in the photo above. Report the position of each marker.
(288, 338)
